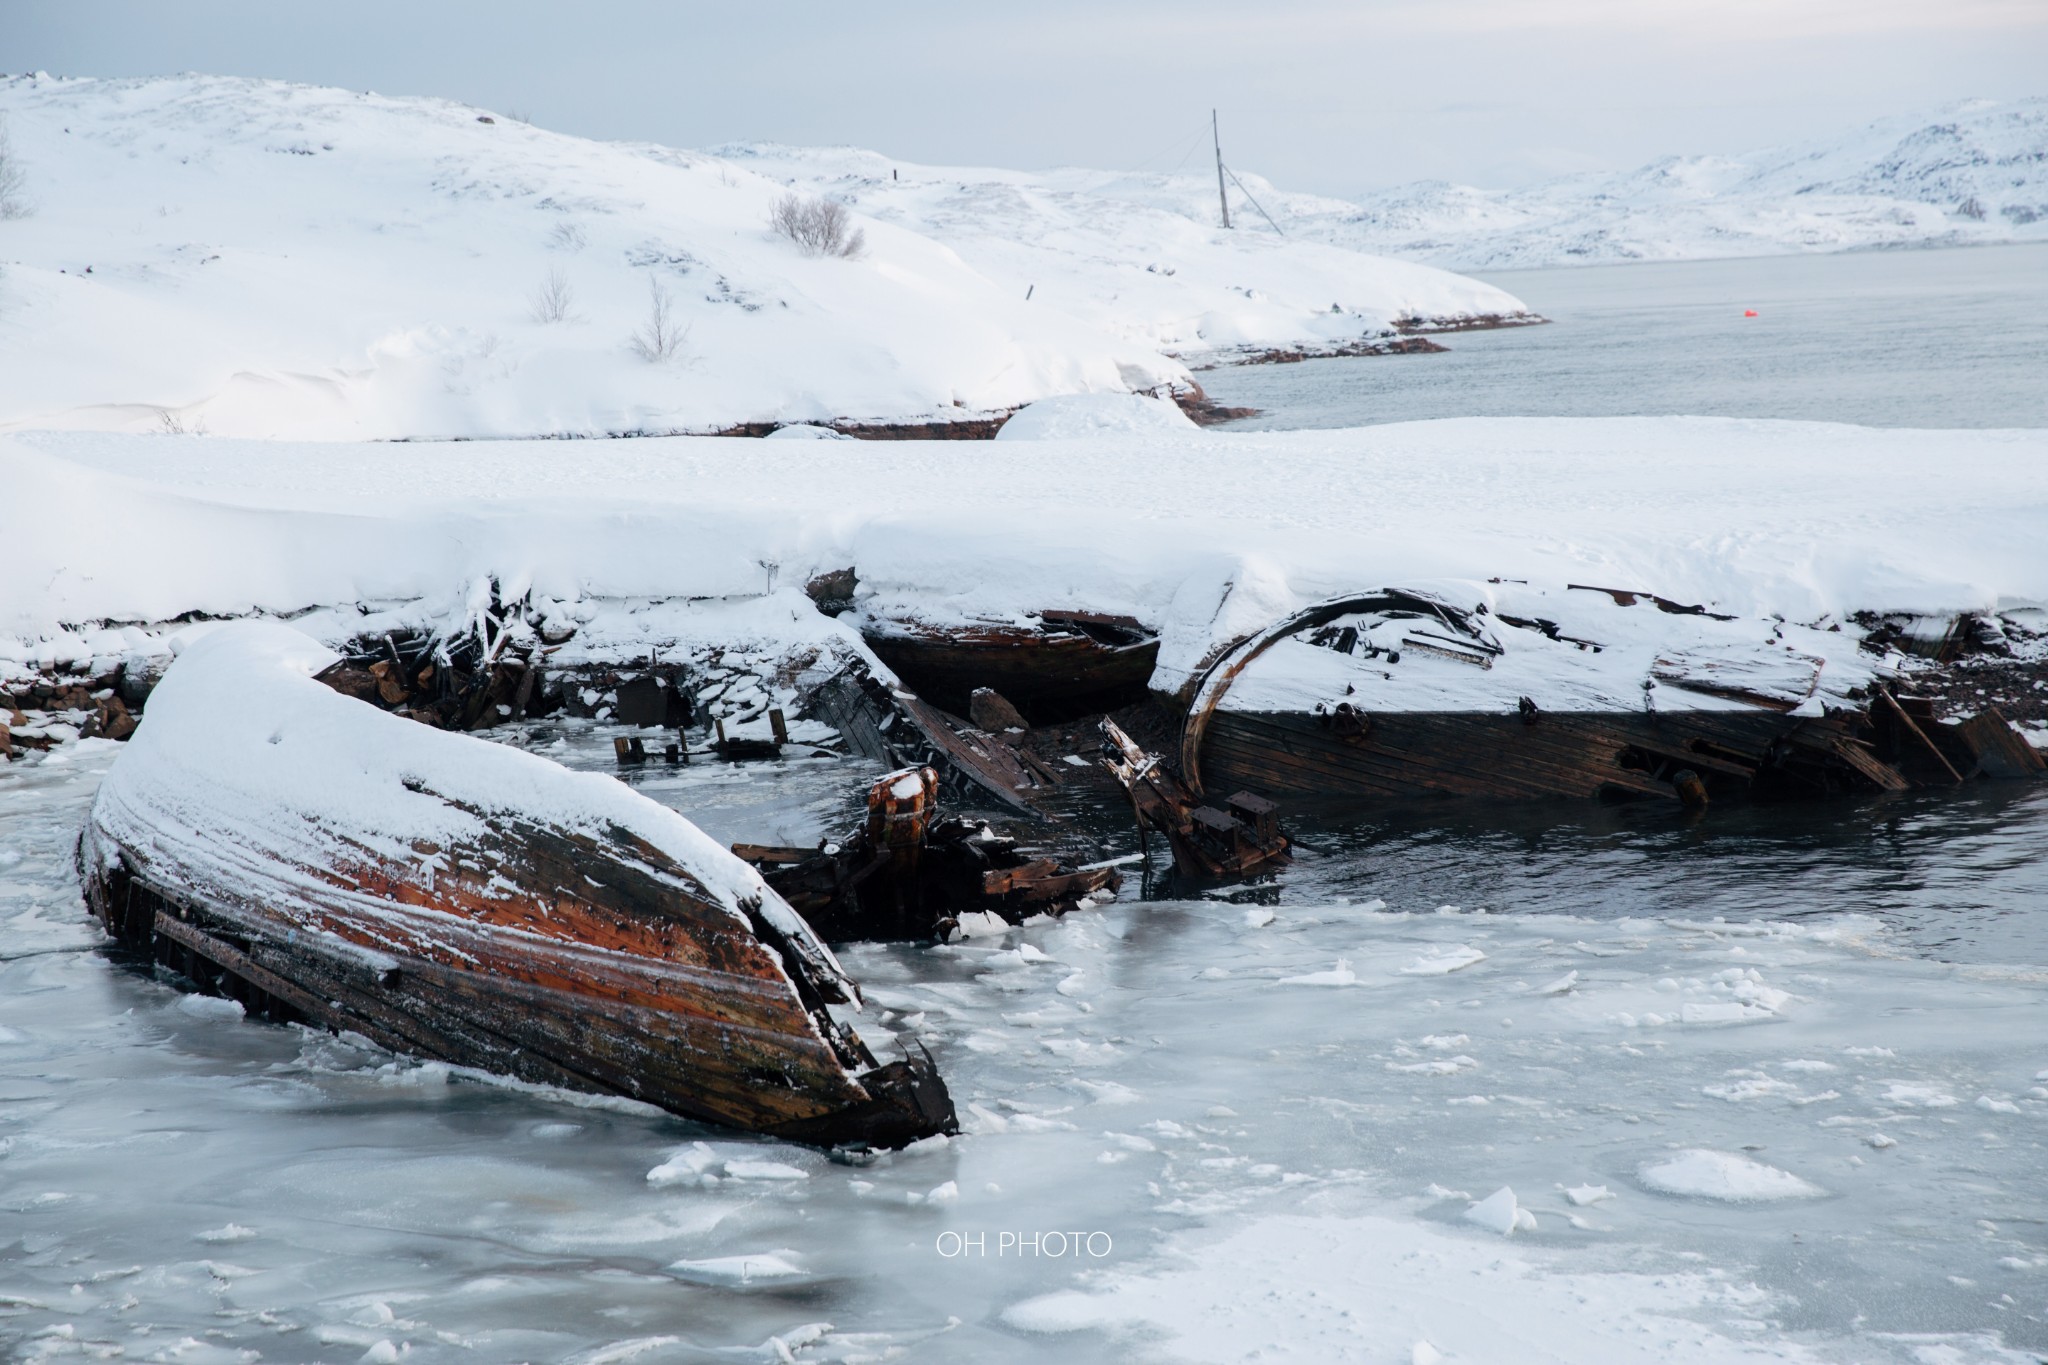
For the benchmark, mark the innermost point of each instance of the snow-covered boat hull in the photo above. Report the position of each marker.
(1402, 694)
(453, 898)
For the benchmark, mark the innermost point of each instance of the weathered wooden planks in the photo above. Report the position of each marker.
(1063, 666)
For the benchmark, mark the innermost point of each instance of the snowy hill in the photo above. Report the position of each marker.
(262, 259)
(1976, 172)
(1142, 256)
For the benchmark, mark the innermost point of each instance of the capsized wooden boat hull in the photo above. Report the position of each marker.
(1065, 666)
(459, 900)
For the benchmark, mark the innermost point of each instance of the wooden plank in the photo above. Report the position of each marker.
(1879, 772)
(2001, 751)
(1910, 728)
(240, 964)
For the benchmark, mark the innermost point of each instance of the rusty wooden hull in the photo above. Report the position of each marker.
(1403, 756)
(726, 1047)
(1055, 673)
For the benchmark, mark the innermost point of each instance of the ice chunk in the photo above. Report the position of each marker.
(764, 1170)
(1499, 1212)
(1258, 917)
(981, 924)
(1700, 1173)
(1439, 1066)
(1912, 1095)
(1993, 1105)
(684, 1167)
(1562, 986)
(1582, 1195)
(782, 1266)
(1444, 961)
(233, 1232)
(1340, 975)
(210, 1007)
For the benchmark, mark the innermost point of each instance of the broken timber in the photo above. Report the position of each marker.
(911, 873)
(1207, 841)
(461, 900)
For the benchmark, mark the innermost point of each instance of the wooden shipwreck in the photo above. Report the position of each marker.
(320, 860)
(1051, 665)
(910, 872)
(1400, 694)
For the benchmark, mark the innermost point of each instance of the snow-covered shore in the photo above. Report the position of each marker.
(1141, 256)
(1204, 535)
(254, 258)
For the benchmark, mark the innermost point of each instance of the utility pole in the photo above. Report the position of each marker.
(1221, 196)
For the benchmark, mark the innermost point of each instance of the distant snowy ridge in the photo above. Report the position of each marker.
(1971, 173)
(255, 258)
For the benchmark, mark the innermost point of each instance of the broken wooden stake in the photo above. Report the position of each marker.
(1206, 842)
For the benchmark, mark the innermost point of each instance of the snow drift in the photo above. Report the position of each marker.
(1205, 535)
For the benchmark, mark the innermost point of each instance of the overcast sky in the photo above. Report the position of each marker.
(1336, 97)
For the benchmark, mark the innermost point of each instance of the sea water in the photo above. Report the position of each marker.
(1930, 338)
(1791, 1060)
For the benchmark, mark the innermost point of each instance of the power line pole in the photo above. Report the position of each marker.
(1221, 196)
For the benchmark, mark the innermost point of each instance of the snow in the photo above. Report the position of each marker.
(1345, 1289)
(1143, 256)
(1789, 527)
(1094, 414)
(1725, 1176)
(238, 801)
(1966, 173)
(256, 258)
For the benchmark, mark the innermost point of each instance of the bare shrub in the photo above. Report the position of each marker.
(660, 337)
(566, 237)
(817, 226)
(13, 179)
(551, 301)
